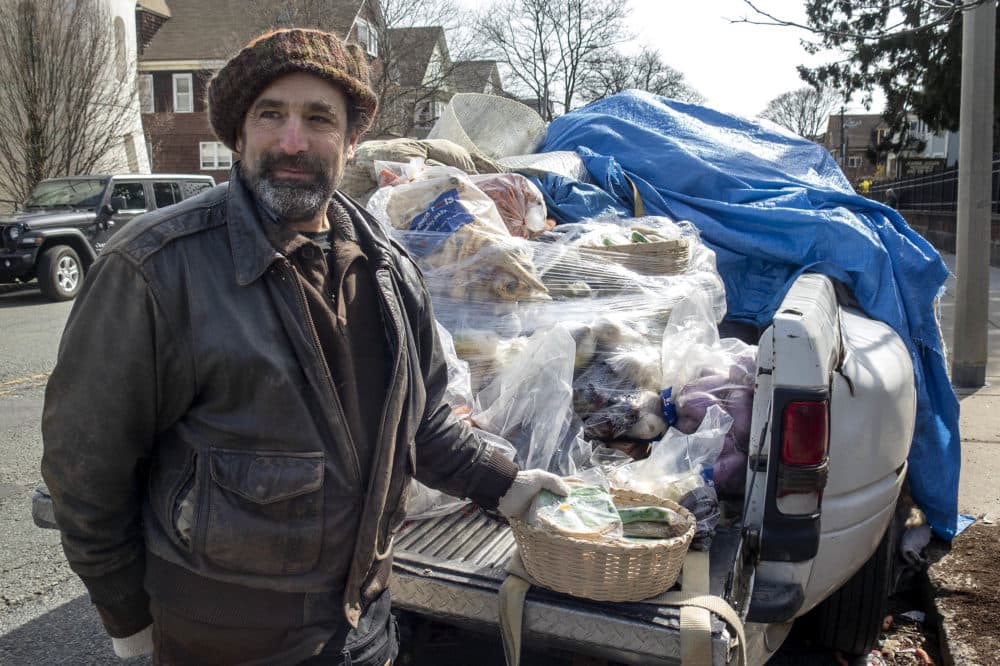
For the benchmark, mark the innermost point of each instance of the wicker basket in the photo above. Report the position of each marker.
(657, 258)
(607, 569)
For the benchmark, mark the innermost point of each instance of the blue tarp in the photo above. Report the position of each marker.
(772, 205)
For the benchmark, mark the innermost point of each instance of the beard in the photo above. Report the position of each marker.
(291, 200)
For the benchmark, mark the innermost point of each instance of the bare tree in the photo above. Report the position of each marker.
(399, 91)
(804, 111)
(550, 47)
(68, 91)
(395, 49)
(911, 50)
(643, 71)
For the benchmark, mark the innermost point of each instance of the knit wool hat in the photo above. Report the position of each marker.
(273, 54)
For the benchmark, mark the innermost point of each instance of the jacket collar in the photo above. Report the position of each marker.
(253, 251)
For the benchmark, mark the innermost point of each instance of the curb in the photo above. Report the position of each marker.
(934, 616)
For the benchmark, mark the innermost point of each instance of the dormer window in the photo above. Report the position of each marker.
(368, 37)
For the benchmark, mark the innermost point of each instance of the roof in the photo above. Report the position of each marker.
(473, 75)
(216, 30)
(154, 6)
(412, 49)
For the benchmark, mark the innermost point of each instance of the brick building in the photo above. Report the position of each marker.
(183, 42)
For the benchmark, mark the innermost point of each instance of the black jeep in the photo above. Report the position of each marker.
(66, 221)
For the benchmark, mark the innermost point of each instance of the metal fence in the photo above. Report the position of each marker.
(935, 192)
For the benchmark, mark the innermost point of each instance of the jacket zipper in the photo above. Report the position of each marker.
(318, 350)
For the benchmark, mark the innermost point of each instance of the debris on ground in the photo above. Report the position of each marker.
(965, 586)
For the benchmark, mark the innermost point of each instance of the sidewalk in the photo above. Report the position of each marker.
(979, 490)
(963, 580)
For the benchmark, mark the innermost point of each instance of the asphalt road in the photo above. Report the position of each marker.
(46, 617)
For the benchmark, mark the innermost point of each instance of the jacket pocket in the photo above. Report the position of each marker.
(265, 511)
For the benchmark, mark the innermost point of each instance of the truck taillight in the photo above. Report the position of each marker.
(805, 434)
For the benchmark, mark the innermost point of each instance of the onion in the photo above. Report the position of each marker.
(739, 405)
(695, 404)
(730, 469)
(744, 370)
(709, 383)
(687, 425)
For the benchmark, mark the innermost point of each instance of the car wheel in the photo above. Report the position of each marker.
(850, 619)
(60, 273)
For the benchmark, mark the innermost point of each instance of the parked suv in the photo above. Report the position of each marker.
(66, 221)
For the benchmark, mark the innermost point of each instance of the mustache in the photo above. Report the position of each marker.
(270, 162)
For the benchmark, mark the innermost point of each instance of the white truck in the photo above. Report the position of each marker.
(832, 423)
(833, 418)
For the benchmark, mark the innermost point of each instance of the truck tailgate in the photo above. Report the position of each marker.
(450, 569)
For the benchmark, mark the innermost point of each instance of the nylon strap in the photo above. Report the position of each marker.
(512, 593)
(696, 606)
(696, 622)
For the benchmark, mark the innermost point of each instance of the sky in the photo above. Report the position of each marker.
(737, 67)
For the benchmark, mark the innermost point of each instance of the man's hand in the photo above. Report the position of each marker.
(136, 645)
(526, 485)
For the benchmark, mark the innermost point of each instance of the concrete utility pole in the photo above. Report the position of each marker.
(843, 141)
(975, 158)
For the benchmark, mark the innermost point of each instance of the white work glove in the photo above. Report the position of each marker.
(136, 645)
(526, 485)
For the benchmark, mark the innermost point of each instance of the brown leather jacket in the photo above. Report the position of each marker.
(189, 361)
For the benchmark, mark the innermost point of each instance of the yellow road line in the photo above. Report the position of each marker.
(15, 384)
(22, 380)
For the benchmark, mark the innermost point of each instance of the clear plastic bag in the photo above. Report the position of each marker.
(530, 404)
(680, 468)
(519, 202)
(703, 370)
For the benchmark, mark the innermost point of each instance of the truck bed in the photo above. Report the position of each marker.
(450, 569)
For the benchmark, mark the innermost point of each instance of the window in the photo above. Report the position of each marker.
(881, 135)
(427, 113)
(368, 37)
(134, 193)
(215, 155)
(146, 104)
(183, 94)
(166, 194)
(853, 161)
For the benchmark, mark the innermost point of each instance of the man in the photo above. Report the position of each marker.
(244, 387)
(891, 198)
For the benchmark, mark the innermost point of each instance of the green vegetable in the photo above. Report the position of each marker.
(646, 513)
(652, 522)
(638, 238)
